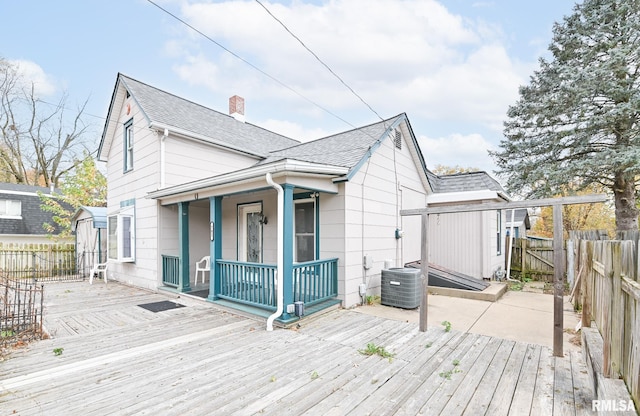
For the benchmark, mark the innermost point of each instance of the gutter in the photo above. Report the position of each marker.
(280, 253)
(253, 172)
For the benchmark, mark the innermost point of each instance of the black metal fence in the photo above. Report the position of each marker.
(21, 305)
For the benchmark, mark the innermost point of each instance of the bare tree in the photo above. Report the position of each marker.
(38, 141)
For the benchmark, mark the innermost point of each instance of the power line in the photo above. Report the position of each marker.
(319, 60)
(250, 64)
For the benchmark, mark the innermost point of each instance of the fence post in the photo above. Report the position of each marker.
(33, 265)
(587, 258)
(617, 311)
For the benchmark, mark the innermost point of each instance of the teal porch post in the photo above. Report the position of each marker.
(183, 242)
(215, 237)
(287, 268)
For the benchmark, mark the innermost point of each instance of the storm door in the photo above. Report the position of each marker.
(250, 233)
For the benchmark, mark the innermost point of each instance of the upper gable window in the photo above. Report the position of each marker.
(10, 209)
(128, 146)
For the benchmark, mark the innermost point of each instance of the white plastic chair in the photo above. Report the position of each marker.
(204, 265)
(97, 270)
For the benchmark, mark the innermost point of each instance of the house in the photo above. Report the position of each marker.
(518, 219)
(89, 225)
(185, 182)
(472, 243)
(21, 218)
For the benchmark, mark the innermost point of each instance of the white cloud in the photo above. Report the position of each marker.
(293, 130)
(29, 73)
(467, 151)
(412, 56)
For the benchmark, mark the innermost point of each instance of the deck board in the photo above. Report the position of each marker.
(121, 359)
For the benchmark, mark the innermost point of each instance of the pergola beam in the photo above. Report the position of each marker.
(556, 203)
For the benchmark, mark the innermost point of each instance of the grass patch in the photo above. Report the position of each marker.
(447, 326)
(373, 349)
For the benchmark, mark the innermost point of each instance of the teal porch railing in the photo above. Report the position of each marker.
(250, 283)
(170, 270)
(255, 283)
(315, 281)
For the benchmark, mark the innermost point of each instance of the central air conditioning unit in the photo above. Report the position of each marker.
(401, 287)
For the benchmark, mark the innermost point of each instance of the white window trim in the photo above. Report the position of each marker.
(6, 202)
(128, 212)
(128, 146)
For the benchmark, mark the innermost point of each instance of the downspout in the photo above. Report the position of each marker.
(510, 253)
(162, 158)
(280, 253)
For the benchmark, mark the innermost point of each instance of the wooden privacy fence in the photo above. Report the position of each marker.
(42, 262)
(532, 258)
(608, 281)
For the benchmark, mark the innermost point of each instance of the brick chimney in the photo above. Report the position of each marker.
(236, 108)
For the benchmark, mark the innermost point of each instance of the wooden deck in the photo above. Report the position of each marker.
(121, 359)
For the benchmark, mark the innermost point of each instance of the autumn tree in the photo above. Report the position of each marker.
(38, 141)
(84, 185)
(577, 120)
(450, 170)
(577, 217)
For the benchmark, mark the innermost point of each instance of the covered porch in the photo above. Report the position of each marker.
(237, 227)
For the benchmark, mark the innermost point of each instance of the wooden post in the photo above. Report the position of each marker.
(523, 256)
(587, 258)
(424, 270)
(558, 287)
(617, 307)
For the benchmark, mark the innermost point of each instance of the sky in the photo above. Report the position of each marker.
(453, 66)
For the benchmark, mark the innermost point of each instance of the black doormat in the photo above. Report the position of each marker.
(164, 305)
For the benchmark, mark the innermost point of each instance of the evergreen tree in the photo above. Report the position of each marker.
(577, 120)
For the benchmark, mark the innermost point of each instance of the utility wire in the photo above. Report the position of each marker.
(318, 59)
(250, 64)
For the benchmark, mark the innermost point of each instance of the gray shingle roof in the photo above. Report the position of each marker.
(32, 216)
(521, 216)
(463, 182)
(162, 107)
(344, 149)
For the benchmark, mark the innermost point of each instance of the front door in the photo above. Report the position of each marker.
(250, 233)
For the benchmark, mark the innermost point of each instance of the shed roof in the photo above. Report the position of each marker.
(463, 182)
(98, 215)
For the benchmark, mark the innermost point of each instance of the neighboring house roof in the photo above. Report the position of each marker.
(521, 216)
(98, 215)
(183, 117)
(32, 215)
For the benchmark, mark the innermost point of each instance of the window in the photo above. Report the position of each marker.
(305, 230)
(10, 209)
(499, 231)
(128, 146)
(121, 236)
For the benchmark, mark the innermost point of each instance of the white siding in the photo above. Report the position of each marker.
(134, 185)
(188, 160)
(372, 213)
(466, 242)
